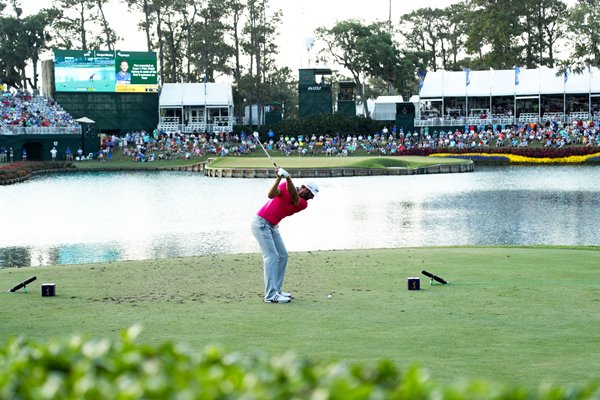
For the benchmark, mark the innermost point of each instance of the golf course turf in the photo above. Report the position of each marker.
(514, 315)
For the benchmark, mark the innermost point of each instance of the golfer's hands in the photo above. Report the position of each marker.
(282, 173)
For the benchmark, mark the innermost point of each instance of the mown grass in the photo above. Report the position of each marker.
(120, 161)
(258, 159)
(511, 315)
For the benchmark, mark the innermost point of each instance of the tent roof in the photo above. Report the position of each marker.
(193, 94)
(388, 99)
(542, 80)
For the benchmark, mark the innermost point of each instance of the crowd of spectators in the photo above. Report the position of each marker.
(25, 109)
(22, 108)
(158, 145)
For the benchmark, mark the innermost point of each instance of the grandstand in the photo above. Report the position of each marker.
(25, 113)
(36, 124)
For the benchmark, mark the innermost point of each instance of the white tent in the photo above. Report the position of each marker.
(539, 81)
(195, 94)
(385, 108)
(202, 107)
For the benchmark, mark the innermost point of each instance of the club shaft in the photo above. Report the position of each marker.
(266, 152)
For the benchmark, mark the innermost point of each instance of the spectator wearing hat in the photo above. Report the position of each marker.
(284, 200)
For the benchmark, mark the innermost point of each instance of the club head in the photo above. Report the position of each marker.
(255, 134)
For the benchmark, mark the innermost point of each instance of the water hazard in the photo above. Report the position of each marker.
(101, 217)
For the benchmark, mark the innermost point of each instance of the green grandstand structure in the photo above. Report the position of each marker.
(314, 92)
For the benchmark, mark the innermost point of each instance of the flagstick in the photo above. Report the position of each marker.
(589, 92)
(515, 97)
(564, 118)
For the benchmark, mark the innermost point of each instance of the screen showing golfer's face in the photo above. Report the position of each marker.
(124, 66)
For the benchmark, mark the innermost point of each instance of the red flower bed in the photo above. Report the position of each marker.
(22, 169)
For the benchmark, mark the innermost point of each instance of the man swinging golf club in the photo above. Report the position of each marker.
(284, 200)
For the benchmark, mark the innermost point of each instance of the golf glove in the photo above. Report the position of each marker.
(283, 173)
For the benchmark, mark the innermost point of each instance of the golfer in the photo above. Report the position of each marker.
(285, 200)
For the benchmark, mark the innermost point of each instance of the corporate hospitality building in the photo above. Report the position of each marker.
(502, 97)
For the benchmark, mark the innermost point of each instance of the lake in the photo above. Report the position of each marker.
(88, 217)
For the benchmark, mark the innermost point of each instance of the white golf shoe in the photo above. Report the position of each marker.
(278, 298)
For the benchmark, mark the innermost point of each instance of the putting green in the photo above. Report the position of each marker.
(332, 162)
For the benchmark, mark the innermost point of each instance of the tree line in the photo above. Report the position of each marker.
(199, 40)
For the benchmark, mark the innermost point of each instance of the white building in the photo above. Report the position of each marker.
(196, 107)
(508, 96)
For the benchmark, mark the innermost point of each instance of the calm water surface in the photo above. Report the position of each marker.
(99, 217)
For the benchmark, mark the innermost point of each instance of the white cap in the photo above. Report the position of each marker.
(313, 187)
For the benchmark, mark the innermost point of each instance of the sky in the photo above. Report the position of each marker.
(300, 19)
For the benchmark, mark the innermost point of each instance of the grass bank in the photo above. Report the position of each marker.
(510, 315)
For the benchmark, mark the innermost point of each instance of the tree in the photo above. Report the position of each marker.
(541, 23)
(109, 35)
(145, 6)
(21, 41)
(281, 87)
(453, 34)
(172, 33)
(258, 43)
(364, 50)
(154, 19)
(584, 31)
(545, 20)
(425, 30)
(208, 48)
(493, 32)
(236, 9)
(36, 37)
(72, 28)
(13, 52)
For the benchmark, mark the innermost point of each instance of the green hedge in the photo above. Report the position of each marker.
(75, 368)
(321, 124)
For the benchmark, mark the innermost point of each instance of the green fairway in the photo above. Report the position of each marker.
(509, 315)
(332, 162)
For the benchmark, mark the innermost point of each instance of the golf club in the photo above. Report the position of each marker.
(435, 277)
(255, 134)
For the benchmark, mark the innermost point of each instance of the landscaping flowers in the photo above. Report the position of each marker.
(524, 159)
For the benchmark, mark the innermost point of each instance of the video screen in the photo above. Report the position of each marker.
(105, 71)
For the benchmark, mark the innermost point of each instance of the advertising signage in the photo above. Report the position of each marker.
(105, 71)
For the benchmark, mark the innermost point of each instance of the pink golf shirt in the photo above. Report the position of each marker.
(281, 206)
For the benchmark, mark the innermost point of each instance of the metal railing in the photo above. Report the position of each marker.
(523, 118)
(40, 130)
(217, 125)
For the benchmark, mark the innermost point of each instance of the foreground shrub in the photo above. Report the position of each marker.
(101, 369)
